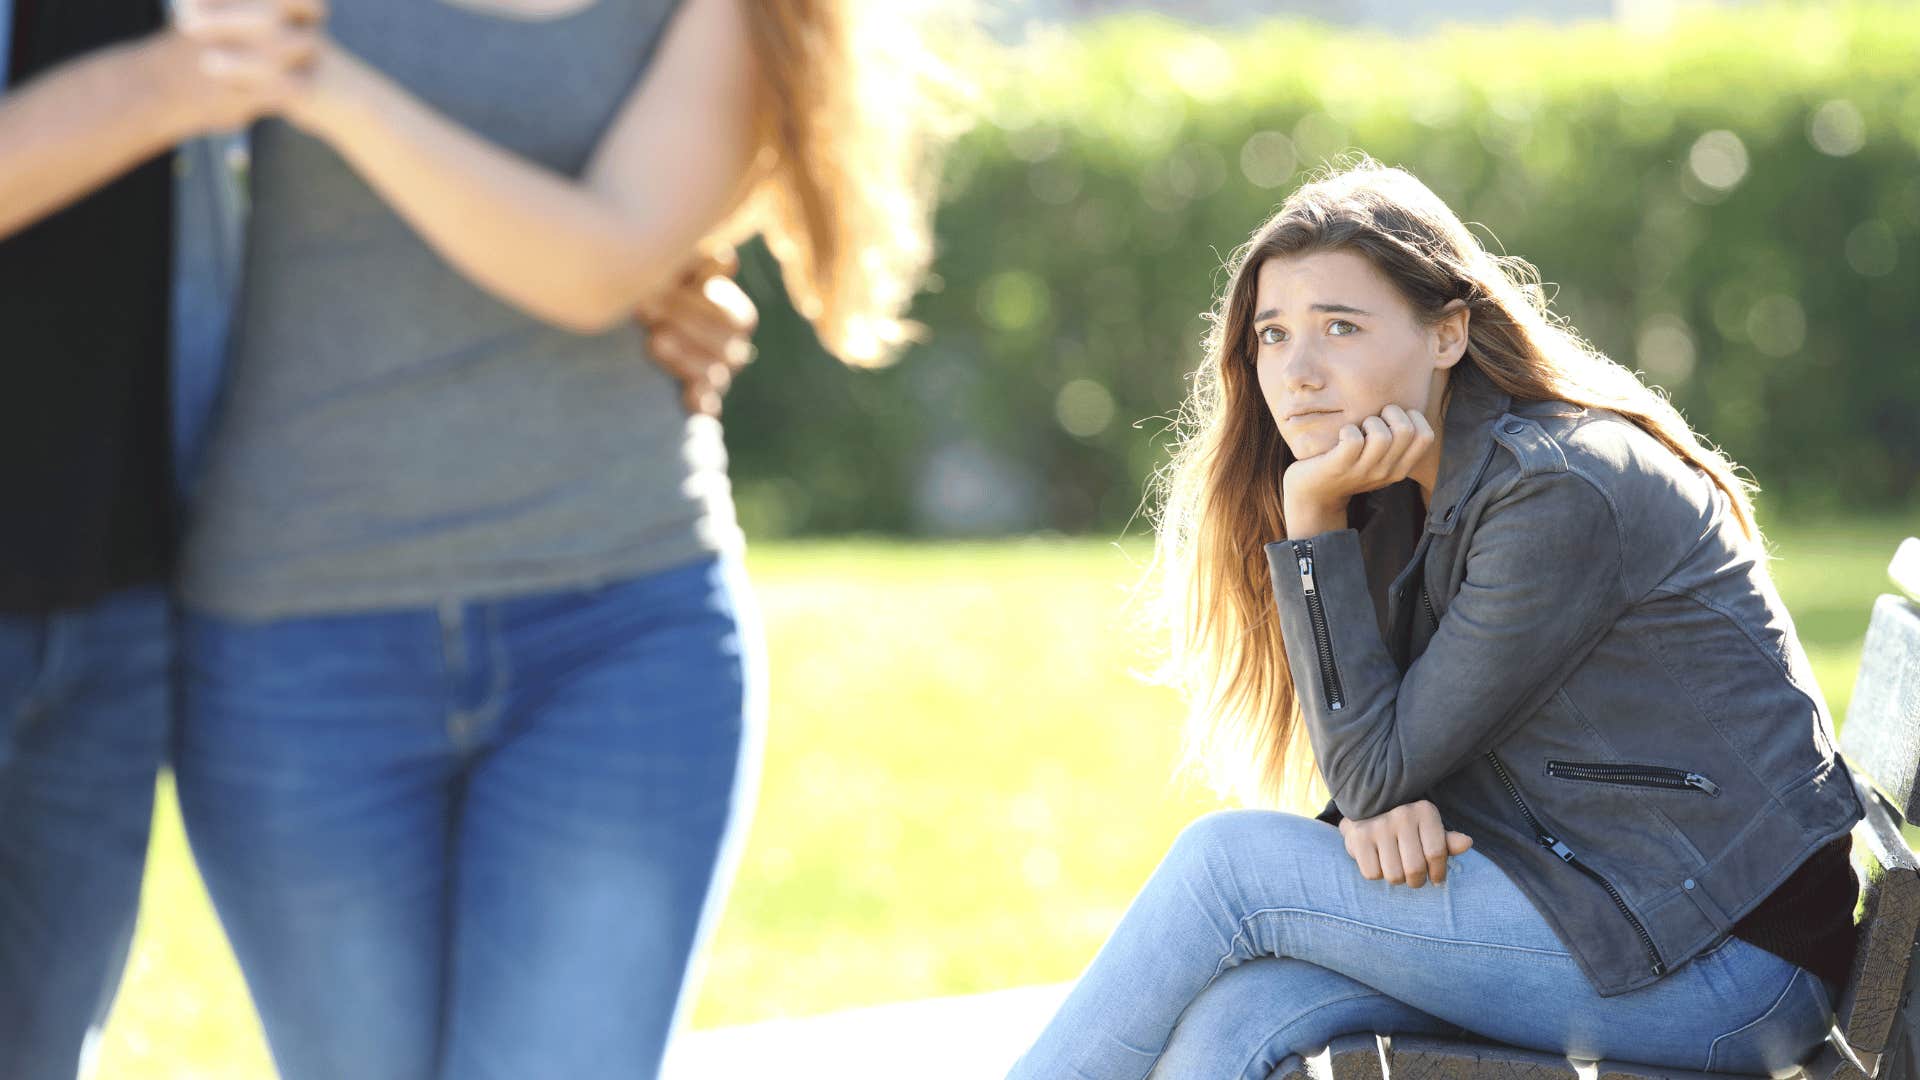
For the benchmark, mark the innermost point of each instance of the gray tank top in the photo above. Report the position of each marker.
(393, 436)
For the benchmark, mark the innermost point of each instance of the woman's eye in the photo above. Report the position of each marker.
(1271, 335)
(1332, 328)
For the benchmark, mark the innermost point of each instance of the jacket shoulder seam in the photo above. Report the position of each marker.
(1533, 449)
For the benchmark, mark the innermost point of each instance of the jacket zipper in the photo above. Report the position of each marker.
(1559, 847)
(1654, 776)
(1322, 640)
(1556, 845)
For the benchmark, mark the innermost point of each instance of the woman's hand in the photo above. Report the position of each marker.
(257, 56)
(1406, 845)
(701, 333)
(1379, 451)
(579, 249)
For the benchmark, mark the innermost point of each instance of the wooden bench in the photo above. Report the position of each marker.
(1875, 1034)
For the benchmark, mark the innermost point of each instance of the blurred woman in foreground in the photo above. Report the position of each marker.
(473, 693)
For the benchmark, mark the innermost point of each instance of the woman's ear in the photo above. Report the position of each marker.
(1449, 334)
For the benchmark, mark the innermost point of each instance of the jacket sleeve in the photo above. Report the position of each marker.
(1544, 582)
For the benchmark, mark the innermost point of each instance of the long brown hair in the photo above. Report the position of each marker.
(1220, 498)
(850, 126)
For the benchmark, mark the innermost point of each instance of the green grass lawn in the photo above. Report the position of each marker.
(965, 784)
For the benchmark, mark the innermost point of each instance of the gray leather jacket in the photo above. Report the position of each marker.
(1583, 667)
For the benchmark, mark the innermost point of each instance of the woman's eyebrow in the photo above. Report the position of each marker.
(1332, 309)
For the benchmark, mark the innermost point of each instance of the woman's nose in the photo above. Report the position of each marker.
(1301, 370)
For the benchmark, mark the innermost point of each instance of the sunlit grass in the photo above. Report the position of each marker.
(965, 784)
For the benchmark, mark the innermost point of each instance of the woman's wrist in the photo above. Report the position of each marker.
(1307, 517)
(168, 63)
(338, 89)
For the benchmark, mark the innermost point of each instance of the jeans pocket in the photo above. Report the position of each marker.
(1783, 1035)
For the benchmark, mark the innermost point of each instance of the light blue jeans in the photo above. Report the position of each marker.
(1257, 939)
(482, 842)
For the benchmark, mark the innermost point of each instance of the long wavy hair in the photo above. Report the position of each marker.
(1219, 497)
(851, 122)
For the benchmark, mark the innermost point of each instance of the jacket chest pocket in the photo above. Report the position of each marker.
(1660, 777)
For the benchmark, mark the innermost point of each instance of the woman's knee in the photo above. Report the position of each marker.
(1222, 837)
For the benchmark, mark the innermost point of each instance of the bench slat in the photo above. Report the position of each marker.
(1411, 1057)
(1881, 737)
(1829, 1065)
(1618, 1070)
(1357, 1057)
(1349, 1057)
(1890, 897)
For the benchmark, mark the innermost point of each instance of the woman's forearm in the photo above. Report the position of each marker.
(1305, 521)
(73, 129)
(553, 246)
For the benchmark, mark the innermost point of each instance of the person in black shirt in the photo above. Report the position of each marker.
(97, 93)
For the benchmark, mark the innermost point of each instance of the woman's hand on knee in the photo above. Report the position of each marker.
(1406, 845)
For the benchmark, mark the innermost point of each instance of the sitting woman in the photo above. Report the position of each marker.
(1543, 618)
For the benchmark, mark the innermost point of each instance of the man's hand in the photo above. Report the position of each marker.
(701, 332)
(1379, 451)
(230, 62)
(1406, 845)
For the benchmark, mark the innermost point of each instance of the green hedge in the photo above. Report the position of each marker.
(1731, 206)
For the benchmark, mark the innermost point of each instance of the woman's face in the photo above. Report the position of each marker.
(1335, 343)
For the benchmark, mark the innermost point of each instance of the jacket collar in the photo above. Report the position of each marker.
(1473, 408)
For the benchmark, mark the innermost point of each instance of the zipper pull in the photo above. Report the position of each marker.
(1695, 780)
(1305, 555)
(1560, 849)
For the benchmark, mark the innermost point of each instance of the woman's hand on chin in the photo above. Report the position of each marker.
(1379, 451)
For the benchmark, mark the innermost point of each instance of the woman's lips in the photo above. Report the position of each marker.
(1316, 414)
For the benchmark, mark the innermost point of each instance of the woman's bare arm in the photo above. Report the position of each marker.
(80, 125)
(580, 254)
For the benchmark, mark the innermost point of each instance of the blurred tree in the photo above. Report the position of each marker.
(1731, 206)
